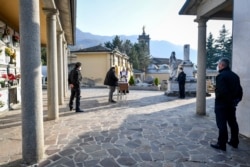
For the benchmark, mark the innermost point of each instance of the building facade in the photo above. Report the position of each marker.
(97, 60)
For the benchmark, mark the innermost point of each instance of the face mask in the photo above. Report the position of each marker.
(80, 68)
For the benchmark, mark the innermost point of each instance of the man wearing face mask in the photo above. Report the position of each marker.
(74, 80)
(228, 93)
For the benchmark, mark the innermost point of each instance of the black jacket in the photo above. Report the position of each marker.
(181, 78)
(75, 77)
(228, 88)
(110, 79)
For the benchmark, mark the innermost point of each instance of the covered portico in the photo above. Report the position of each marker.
(49, 23)
(238, 12)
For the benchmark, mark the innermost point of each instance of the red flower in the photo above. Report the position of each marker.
(5, 76)
(10, 77)
(15, 38)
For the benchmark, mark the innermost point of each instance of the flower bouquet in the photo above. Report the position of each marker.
(10, 78)
(11, 53)
(15, 38)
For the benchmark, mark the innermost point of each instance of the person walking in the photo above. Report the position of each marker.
(112, 81)
(181, 80)
(228, 93)
(74, 80)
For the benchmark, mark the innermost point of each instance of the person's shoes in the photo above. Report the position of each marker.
(112, 101)
(234, 145)
(219, 147)
(70, 108)
(79, 110)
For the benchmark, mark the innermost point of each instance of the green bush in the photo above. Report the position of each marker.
(131, 80)
(156, 81)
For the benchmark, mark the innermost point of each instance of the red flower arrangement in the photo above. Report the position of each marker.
(15, 38)
(10, 77)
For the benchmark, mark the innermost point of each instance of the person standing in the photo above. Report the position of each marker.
(228, 93)
(181, 80)
(74, 80)
(112, 81)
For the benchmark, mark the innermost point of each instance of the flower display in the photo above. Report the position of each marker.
(11, 77)
(10, 52)
(15, 38)
(13, 56)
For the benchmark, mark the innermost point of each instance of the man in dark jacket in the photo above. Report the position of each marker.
(111, 80)
(181, 80)
(74, 80)
(228, 93)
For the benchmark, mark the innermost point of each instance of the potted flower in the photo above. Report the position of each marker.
(8, 51)
(4, 80)
(11, 54)
(16, 40)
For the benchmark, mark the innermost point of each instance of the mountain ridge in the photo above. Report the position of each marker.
(158, 48)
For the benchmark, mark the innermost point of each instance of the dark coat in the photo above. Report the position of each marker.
(111, 79)
(75, 77)
(228, 88)
(181, 78)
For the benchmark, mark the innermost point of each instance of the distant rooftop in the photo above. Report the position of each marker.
(98, 48)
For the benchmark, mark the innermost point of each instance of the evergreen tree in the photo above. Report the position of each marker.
(116, 43)
(144, 58)
(137, 53)
(133, 57)
(44, 56)
(126, 47)
(131, 80)
(216, 49)
(224, 44)
(211, 52)
(109, 45)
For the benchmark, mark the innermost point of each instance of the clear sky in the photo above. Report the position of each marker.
(127, 17)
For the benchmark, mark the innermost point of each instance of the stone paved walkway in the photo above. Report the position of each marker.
(149, 129)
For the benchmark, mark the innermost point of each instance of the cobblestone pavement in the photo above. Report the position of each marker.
(148, 129)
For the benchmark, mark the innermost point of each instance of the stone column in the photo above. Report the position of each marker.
(186, 52)
(52, 88)
(188, 68)
(31, 87)
(60, 67)
(65, 69)
(201, 68)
